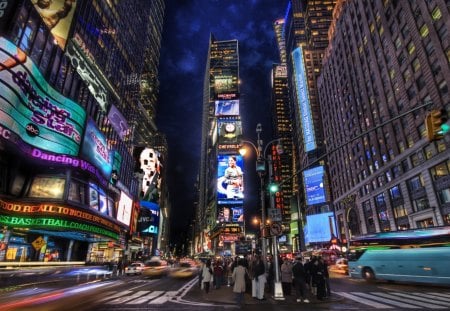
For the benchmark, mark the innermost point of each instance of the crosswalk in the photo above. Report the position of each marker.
(406, 300)
(139, 297)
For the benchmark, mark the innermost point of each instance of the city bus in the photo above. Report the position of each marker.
(418, 255)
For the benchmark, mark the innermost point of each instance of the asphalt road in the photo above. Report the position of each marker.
(86, 290)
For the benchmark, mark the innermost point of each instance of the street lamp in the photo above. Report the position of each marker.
(261, 170)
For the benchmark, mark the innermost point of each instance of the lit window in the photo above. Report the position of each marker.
(411, 48)
(424, 31)
(436, 13)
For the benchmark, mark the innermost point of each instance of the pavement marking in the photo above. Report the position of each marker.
(368, 302)
(384, 300)
(127, 298)
(424, 298)
(441, 295)
(112, 295)
(409, 301)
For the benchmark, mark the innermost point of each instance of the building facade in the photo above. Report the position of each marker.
(220, 215)
(70, 103)
(386, 66)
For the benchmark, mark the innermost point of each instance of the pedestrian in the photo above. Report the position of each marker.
(318, 278)
(326, 277)
(258, 278)
(207, 276)
(286, 276)
(300, 276)
(238, 278)
(218, 274)
(270, 274)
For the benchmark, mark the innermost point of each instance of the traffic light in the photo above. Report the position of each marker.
(435, 123)
(273, 188)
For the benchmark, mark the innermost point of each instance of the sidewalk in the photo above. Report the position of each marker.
(225, 295)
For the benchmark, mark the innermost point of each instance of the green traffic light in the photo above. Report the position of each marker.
(273, 188)
(445, 128)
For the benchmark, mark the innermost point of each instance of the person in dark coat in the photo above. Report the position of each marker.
(318, 278)
(300, 276)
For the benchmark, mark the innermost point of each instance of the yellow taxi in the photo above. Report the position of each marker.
(155, 267)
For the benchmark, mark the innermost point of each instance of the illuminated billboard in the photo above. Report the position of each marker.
(32, 109)
(227, 107)
(230, 177)
(229, 131)
(55, 216)
(148, 221)
(225, 84)
(149, 163)
(95, 149)
(231, 214)
(301, 88)
(118, 122)
(57, 15)
(124, 209)
(314, 186)
(319, 228)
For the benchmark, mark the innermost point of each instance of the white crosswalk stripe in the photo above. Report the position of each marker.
(139, 297)
(390, 300)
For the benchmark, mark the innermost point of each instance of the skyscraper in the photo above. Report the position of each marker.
(306, 28)
(71, 143)
(220, 209)
(386, 66)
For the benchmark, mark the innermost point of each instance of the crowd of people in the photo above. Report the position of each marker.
(255, 275)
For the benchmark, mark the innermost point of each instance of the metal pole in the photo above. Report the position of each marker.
(278, 289)
(263, 222)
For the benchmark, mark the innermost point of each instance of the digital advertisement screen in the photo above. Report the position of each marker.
(124, 209)
(229, 131)
(95, 149)
(231, 214)
(32, 109)
(148, 221)
(319, 228)
(149, 162)
(225, 84)
(303, 100)
(227, 107)
(57, 15)
(313, 180)
(230, 177)
(118, 122)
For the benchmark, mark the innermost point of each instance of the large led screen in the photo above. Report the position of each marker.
(303, 100)
(227, 107)
(124, 209)
(149, 162)
(57, 15)
(231, 214)
(95, 149)
(225, 84)
(313, 180)
(148, 221)
(229, 131)
(32, 109)
(118, 122)
(230, 177)
(319, 228)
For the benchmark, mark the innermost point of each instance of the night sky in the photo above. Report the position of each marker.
(188, 24)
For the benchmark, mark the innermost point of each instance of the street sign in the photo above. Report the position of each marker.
(274, 214)
(38, 243)
(276, 229)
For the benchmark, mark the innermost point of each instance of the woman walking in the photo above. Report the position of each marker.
(238, 278)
